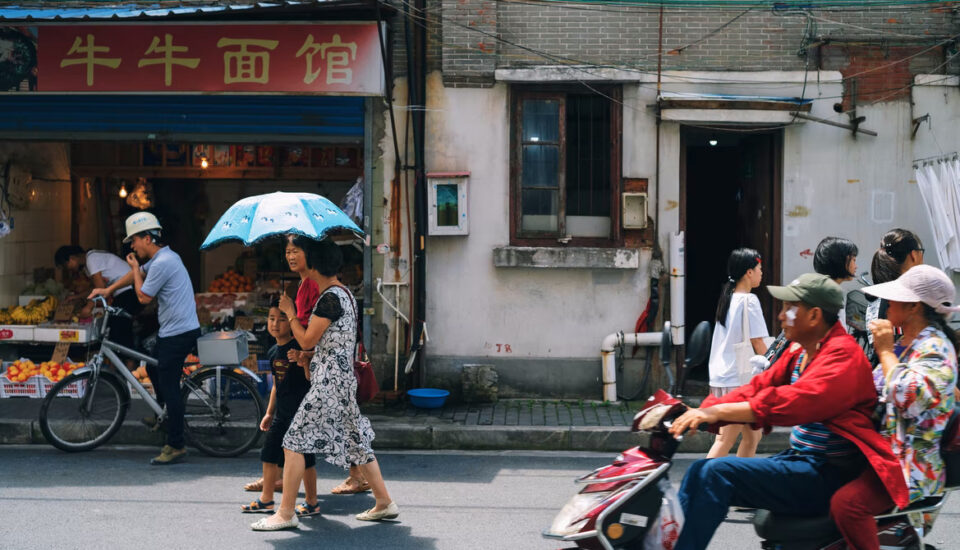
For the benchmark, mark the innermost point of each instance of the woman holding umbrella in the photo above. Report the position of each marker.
(328, 423)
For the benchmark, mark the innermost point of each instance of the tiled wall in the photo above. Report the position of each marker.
(45, 224)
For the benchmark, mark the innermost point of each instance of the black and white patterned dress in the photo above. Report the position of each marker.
(328, 422)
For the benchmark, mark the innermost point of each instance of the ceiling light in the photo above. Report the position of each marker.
(713, 142)
(123, 190)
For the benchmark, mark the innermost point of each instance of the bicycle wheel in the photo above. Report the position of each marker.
(78, 414)
(223, 410)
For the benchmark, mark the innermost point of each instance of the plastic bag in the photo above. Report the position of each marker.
(665, 531)
(352, 204)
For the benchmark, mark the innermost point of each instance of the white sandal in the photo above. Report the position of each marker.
(262, 525)
(390, 512)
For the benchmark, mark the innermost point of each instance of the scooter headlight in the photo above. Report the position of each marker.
(569, 521)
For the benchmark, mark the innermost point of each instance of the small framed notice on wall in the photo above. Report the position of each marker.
(448, 200)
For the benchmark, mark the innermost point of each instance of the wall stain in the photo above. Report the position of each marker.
(671, 205)
(799, 212)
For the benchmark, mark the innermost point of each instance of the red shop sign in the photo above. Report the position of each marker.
(340, 58)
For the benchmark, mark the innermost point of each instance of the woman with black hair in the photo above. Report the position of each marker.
(328, 423)
(744, 273)
(836, 258)
(900, 249)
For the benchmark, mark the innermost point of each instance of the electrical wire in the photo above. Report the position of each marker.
(580, 66)
(569, 61)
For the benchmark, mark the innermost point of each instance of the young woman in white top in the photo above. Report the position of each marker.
(744, 273)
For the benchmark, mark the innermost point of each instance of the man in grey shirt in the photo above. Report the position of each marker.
(163, 277)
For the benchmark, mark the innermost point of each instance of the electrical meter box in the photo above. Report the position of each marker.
(634, 210)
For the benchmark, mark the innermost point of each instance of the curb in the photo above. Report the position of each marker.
(409, 436)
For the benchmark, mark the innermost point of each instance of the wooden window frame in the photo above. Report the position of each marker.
(518, 95)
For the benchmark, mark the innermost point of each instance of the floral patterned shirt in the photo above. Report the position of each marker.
(916, 398)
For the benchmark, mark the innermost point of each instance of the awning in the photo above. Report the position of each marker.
(197, 118)
(119, 11)
(729, 108)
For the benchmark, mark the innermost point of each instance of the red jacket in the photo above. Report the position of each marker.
(836, 389)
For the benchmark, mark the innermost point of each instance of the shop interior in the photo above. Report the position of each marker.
(188, 186)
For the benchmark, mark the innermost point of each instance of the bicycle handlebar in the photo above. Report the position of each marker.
(112, 310)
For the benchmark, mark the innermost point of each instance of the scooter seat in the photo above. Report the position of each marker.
(774, 528)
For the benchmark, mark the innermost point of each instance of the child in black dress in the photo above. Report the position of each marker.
(289, 386)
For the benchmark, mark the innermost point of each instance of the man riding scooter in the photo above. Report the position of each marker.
(823, 387)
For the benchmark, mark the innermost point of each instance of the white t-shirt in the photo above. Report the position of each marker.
(723, 371)
(109, 266)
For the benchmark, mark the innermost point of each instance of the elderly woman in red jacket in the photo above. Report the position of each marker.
(823, 387)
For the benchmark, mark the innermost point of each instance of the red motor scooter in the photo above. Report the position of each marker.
(619, 503)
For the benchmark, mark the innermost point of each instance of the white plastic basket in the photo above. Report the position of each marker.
(74, 389)
(28, 388)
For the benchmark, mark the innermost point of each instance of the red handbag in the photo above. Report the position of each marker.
(367, 387)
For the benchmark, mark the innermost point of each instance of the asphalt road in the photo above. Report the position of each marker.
(111, 498)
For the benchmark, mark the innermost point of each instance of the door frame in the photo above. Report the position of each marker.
(775, 265)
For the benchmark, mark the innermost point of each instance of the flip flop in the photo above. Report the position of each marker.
(257, 507)
(307, 509)
(348, 488)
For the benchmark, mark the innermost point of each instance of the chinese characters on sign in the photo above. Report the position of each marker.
(168, 61)
(265, 58)
(89, 57)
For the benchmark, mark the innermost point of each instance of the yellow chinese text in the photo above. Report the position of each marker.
(167, 59)
(243, 65)
(90, 59)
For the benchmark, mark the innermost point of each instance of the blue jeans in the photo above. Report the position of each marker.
(789, 483)
(171, 353)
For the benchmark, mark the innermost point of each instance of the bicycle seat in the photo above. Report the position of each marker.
(773, 528)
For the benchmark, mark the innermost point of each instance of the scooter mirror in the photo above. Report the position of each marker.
(698, 348)
(666, 345)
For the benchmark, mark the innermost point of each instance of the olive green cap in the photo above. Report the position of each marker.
(812, 289)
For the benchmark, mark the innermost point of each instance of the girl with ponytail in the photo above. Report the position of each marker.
(744, 273)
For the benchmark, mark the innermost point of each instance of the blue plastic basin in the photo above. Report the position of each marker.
(428, 398)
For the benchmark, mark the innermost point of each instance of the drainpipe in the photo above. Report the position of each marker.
(608, 357)
(677, 286)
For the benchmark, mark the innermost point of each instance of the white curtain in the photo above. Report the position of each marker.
(939, 184)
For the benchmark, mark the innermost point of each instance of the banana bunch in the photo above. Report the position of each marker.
(34, 313)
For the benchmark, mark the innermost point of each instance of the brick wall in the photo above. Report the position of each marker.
(758, 39)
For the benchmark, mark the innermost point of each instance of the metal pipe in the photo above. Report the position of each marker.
(608, 358)
(805, 116)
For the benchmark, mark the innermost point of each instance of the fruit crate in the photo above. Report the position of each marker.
(28, 388)
(74, 389)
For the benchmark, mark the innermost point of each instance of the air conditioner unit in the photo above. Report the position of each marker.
(634, 207)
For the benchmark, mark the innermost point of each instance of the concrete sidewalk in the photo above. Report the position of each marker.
(515, 424)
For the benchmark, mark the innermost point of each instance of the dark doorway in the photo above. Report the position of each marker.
(730, 185)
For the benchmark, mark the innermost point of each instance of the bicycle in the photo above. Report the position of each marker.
(84, 410)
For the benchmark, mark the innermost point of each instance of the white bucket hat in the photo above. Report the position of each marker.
(921, 283)
(140, 222)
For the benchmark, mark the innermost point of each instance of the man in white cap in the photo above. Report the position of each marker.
(163, 277)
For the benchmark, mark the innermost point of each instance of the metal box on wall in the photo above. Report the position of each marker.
(222, 348)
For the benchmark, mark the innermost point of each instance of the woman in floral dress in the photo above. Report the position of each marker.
(328, 423)
(915, 380)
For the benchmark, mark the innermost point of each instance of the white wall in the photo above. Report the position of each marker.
(45, 225)
(473, 306)
(830, 181)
